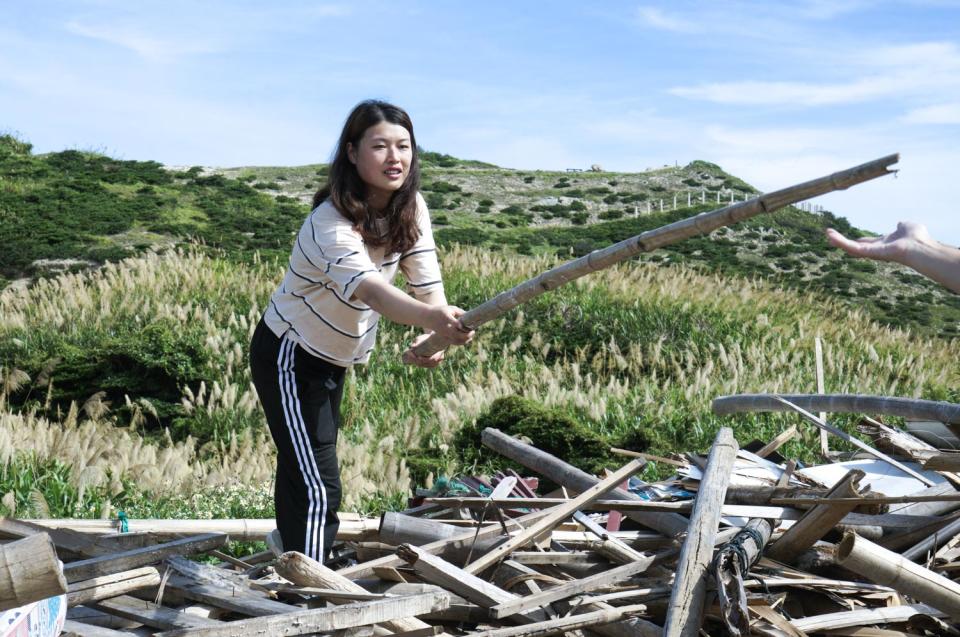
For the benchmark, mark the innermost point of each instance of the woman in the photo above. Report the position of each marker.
(368, 221)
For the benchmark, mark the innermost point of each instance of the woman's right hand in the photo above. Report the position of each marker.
(445, 321)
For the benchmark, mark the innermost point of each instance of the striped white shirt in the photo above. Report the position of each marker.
(329, 260)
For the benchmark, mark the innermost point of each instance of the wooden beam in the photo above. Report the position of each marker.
(97, 588)
(781, 439)
(150, 614)
(73, 628)
(107, 564)
(685, 610)
(554, 516)
(29, 571)
(323, 620)
(816, 522)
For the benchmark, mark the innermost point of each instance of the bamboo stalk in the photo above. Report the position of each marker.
(911, 408)
(690, 588)
(702, 223)
(886, 567)
(733, 561)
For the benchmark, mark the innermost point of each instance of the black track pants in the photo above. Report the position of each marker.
(300, 394)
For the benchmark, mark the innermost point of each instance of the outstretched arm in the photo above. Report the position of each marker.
(911, 245)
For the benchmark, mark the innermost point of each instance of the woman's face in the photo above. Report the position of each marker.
(382, 157)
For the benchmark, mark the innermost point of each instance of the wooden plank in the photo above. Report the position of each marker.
(150, 614)
(569, 589)
(553, 517)
(565, 624)
(818, 359)
(324, 620)
(435, 570)
(236, 599)
(72, 628)
(685, 609)
(302, 570)
(781, 439)
(86, 591)
(106, 564)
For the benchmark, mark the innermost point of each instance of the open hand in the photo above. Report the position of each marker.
(897, 246)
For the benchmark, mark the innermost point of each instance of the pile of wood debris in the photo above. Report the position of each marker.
(740, 542)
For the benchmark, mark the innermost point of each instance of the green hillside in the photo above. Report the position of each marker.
(124, 383)
(73, 210)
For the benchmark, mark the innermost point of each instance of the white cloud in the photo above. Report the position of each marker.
(938, 114)
(147, 46)
(928, 70)
(658, 19)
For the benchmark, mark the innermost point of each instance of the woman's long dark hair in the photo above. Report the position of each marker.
(348, 192)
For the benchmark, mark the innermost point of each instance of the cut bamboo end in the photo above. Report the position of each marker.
(886, 567)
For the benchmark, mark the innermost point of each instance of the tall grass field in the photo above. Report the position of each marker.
(127, 387)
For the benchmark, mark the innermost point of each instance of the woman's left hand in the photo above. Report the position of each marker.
(410, 358)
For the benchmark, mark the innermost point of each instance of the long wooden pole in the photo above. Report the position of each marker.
(913, 408)
(29, 571)
(702, 223)
(685, 610)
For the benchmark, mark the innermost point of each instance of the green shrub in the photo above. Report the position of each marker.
(579, 218)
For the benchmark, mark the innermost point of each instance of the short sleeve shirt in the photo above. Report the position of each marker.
(313, 304)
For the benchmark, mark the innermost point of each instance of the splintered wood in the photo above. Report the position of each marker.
(735, 543)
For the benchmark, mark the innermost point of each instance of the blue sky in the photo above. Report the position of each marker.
(775, 93)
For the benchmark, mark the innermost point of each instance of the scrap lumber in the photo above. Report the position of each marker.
(107, 586)
(305, 571)
(29, 571)
(365, 569)
(690, 587)
(72, 628)
(323, 620)
(849, 619)
(554, 516)
(107, 564)
(565, 624)
(886, 567)
(151, 614)
(569, 589)
(484, 594)
(572, 478)
(702, 223)
(816, 522)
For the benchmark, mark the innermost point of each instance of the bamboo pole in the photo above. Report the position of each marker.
(886, 567)
(912, 408)
(733, 561)
(702, 223)
(684, 613)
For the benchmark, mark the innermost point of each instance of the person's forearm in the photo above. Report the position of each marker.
(938, 261)
(434, 297)
(390, 302)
